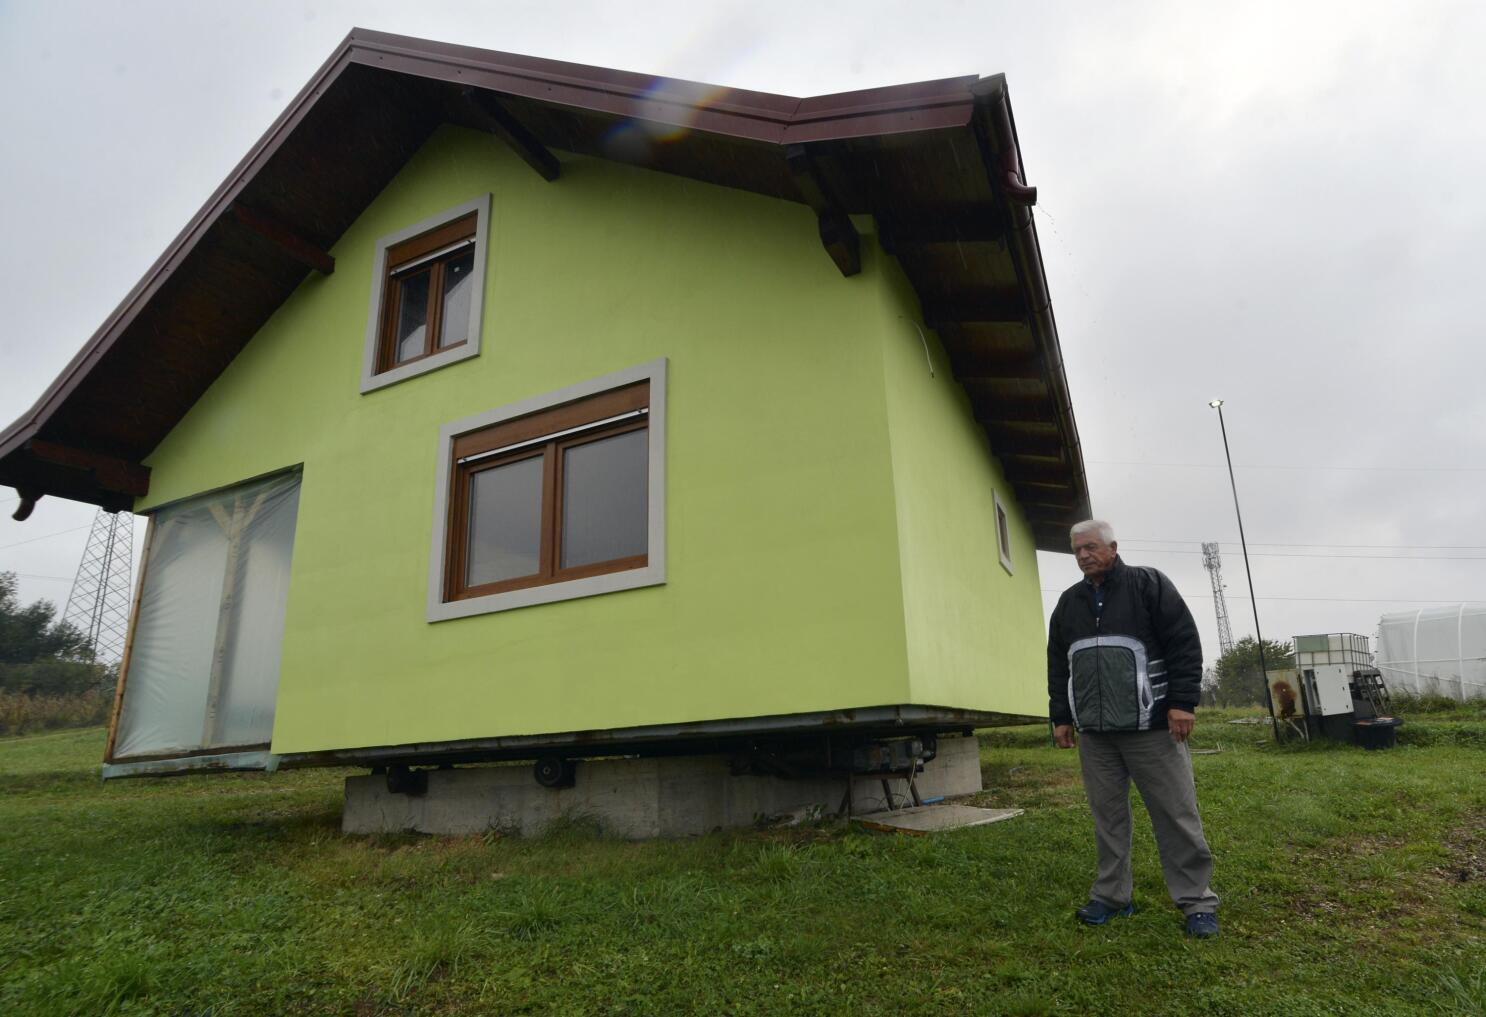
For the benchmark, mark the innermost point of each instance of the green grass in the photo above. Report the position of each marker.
(1353, 883)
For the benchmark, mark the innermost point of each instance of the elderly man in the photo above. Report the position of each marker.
(1124, 669)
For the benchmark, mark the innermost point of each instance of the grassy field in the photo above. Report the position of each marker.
(1353, 883)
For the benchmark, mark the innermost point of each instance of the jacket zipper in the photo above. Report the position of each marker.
(1099, 657)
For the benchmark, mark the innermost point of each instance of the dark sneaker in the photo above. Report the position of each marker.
(1097, 912)
(1202, 925)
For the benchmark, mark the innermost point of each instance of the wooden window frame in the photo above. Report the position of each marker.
(435, 249)
(551, 445)
(397, 254)
(1002, 523)
(547, 426)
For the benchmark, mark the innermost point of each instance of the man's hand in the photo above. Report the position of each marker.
(1063, 736)
(1179, 723)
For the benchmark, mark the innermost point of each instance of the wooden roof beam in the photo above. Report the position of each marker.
(1040, 446)
(285, 239)
(972, 364)
(837, 234)
(970, 226)
(1037, 500)
(523, 142)
(1004, 307)
(113, 474)
(1055, 476)
(994, 413)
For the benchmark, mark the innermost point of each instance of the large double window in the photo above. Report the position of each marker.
(427, 295)
(556, 497)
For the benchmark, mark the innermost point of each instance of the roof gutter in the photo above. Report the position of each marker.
(995, 130)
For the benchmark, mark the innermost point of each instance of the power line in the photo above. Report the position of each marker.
(1271, 543)
(1306, 469)
(1362, 557)
(46, 536)
(1329, 600)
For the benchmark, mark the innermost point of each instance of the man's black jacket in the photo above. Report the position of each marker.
(1139, 603)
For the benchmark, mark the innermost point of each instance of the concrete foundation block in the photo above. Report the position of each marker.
(636, 799)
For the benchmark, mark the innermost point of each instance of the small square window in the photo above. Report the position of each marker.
(1003, 533)
(552, 498)
(427, 295)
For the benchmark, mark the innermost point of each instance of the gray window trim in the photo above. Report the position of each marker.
(1003, 550)
(370, 379)
(653, 574)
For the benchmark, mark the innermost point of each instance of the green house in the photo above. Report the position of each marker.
(496, 406)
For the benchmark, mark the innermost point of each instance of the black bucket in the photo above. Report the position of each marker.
(1377, 733)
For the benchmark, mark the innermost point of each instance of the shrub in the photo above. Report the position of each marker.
(1467, 735)
(55, 676)
(21, 713)
(1405, 703)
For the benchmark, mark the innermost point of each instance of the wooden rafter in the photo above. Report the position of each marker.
(284, 238)
(837, 234)
(975, 224)
(510, 130)
(1006, 307)
(118, 475)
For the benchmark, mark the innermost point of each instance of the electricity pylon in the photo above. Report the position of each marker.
(99, 603)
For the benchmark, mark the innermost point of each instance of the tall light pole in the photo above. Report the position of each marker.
(1217, 404)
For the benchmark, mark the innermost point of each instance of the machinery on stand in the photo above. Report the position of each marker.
(1333, 691)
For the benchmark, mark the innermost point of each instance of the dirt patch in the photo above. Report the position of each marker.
(1467, 848)
(1028, 785)
(1363, 846)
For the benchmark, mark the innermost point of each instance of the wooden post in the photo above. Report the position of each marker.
(113, 716)
(234, 526)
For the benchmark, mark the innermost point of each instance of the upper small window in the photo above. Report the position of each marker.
(426, 298)
(1003, 533)
(426, 295)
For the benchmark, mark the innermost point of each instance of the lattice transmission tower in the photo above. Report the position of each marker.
(1214, 566)
(99, 602)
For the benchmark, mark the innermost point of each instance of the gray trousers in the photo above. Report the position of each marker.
(1162, 771)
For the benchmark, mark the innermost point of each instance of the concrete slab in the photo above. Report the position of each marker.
(926, 819)
(636, 799)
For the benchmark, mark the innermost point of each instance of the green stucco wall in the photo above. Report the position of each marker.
(973, 631)
(785, 588)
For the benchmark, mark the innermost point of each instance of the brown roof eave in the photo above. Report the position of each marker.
(997, 130)
(29, 424)
(730, 112)
(750, 117)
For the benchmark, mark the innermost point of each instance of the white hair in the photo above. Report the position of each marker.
(1105, 531)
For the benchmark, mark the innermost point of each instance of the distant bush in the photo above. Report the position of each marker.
(1405, 703)
(21, 713)
(1465, 735)
(48, 677)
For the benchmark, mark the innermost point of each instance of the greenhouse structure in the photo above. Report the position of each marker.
(1435, 651)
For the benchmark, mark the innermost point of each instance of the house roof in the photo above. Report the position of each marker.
(936, 163)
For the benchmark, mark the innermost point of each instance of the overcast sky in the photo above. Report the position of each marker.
(1276, 203)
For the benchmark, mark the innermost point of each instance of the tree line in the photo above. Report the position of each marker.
(42, 655)
(1237, 678)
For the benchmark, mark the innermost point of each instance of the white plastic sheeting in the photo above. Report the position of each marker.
(203, 670)
(1439, 651)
